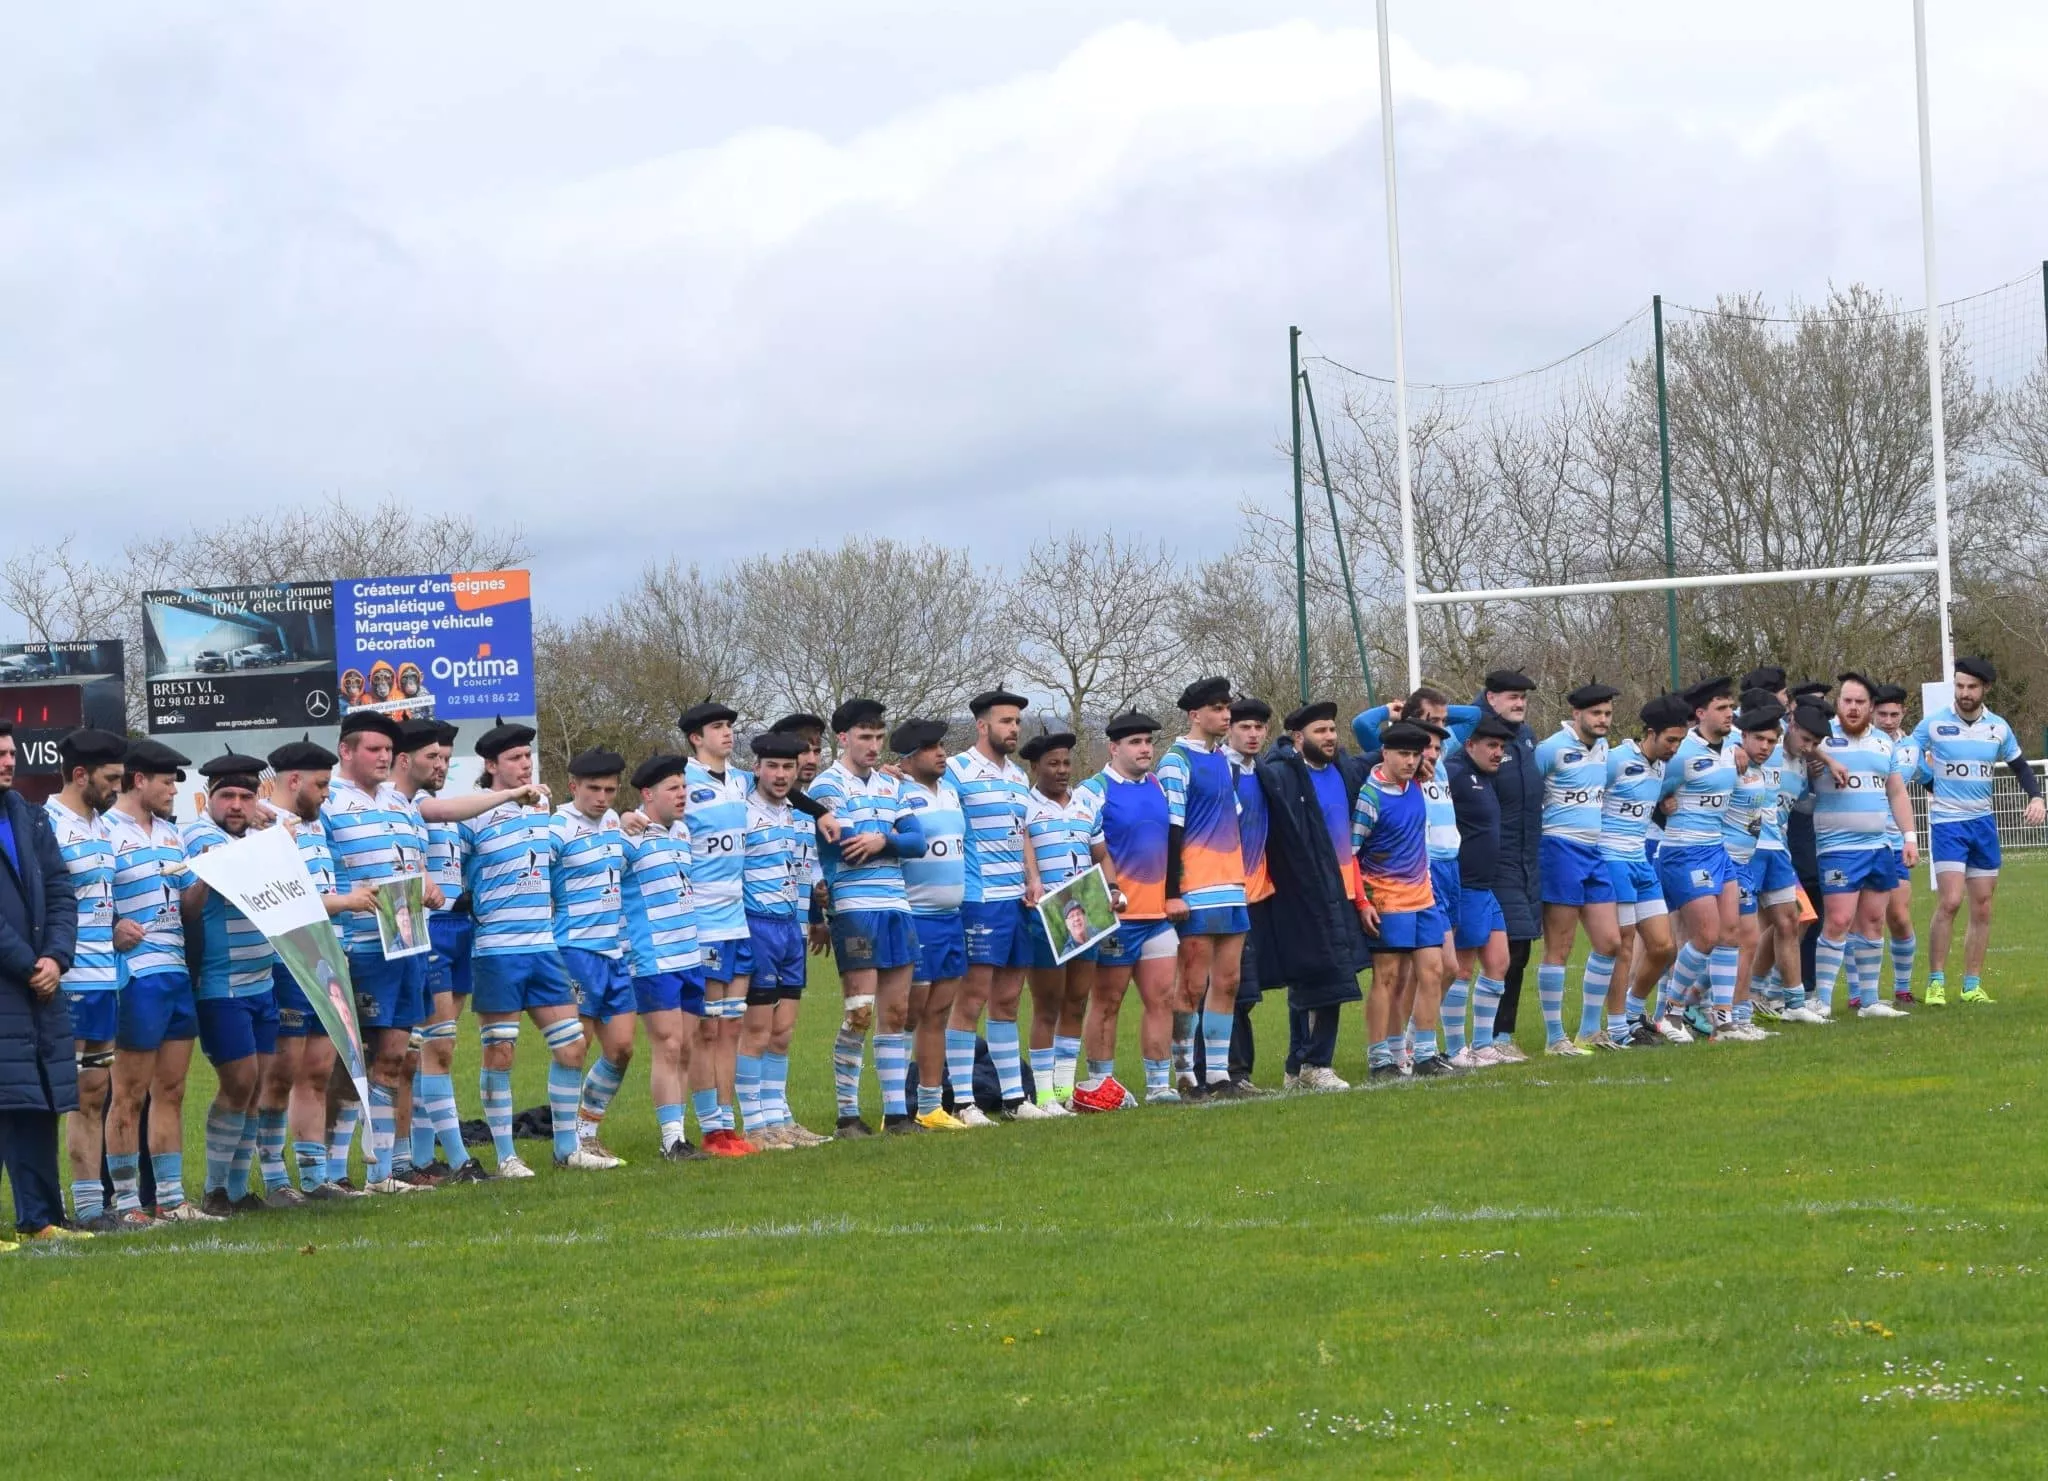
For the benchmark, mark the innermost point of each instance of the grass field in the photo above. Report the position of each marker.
(1820, 1256)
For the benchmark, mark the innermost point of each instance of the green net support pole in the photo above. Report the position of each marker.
(1315, 427)
(1300, 514)
(1664, 456)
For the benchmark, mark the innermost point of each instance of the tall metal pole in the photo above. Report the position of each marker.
(1664, 455)
(1315, 427)
(1942, 576)
(1408, 610)
(1300, 520)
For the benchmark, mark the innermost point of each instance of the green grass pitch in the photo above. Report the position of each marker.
(1820, 1256)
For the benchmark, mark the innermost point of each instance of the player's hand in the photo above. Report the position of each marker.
(1742, 761)
(1911, 852)
(1033, 893)
(894, 769)
(128, 935)
(1839, 772)
(44, 977)
(829, 829)
(1118, 900)
(530, 795)
(362, 897)
(860, 847)
(1369, 917)
(434, 898)
(1395, 707)
(2036, 813)
(634, 823)
(1176, 910)
(821, 940)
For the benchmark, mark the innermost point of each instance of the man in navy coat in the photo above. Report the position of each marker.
(38, 1071)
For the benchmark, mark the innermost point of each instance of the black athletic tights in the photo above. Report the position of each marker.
(1511, 988)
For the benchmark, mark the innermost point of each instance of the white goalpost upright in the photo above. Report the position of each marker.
(1413, 599)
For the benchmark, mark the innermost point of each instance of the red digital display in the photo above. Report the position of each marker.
(43, 706)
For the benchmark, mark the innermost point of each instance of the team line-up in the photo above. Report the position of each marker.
(1234, 866)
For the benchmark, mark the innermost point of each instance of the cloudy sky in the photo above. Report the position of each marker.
(719, 279)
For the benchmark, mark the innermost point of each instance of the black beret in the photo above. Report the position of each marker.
(1888, 694)
(1508, 681)
(915, 735)
(1203, 692)
(798, 723)
(1813, 720)
(417, 735)
(1979, 669)
(1665, 711)
(501, 738)
(1492, 727)
(1130, 722)
(355, 722)
(596, 761)
(1036, 748)
(1811, 687)
(693, 720)
(302, 755)
(658, 769)
(92, 748)
(231, 770)
(445, 733)
(1751, 697)
(857, 712)
(1860, 678)
(1707, 691)
(1587, 695)
(988, 699)
(1429, 727)
(770, 745)
(1768, 716)
(1764, 676)
(1404, 735)
(1308, 714)
(1250, 709)
(154, 758)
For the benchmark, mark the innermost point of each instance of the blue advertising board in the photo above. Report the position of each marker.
(445, 647)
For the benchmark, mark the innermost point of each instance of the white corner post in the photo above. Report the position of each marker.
(1940, 465)
(1408, 608)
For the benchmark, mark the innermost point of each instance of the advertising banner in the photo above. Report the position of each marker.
(48, 690)
(263, 875)
(236, 658)
(450, 647)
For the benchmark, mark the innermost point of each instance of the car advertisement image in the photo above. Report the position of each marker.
(48, 690)
(239, 657)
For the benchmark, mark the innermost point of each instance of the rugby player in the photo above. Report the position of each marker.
(91, 760)
(1577, 886)
(1001, 891)
(1479, 934)
(1129, 812)
(1249, 719)
(1888, 714)
(936, 882)
(1857, 867)
(1058, 831)
(661, 942)
(1755, 794)
(1389, 833)
(1635, 782)
(1205, 897)
(1954, 751)
(781, 852)
(585, 883)
(1421, 1001)
(715, 811)
(1693, 864)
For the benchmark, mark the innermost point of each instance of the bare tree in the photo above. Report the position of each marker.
(1092, 617)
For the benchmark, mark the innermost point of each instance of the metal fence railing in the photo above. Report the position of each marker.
(2008, 805)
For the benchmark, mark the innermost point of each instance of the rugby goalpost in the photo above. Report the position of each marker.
(1413, 599)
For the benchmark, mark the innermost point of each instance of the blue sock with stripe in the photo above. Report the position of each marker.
(1002, 1053)
(168, 1168)
(1043, 1065)
(1099, 1070)
(668, 1116)
(443, 1121)
(1827, 967)
(1550, 989)
(88, 1199)
(705, 1104)
(892, 1068)
(422, 1123)
(223, 1130)
(383, 1131)
(1869, 965)
(312, 1160)
(746, 1084)
(960, 1064)
(495, 1086)
(1456, 997)
(847, 1050)
(1216, 1031)
(1722, 968)
(601, 1084)
(565, 1095)
(342, 1138)
(270, 1148)
(1903, 951)
(775, 1088)
(127, 1170)
(1486, 995)
(1599, 976)
(1158, 1077)
(244, 1160)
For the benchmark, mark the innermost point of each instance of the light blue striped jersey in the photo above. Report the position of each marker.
(715, 811)
(1850, 819)
(1629, 804)
(661, 928)
(1957, 756)
(777, 852)
(444, 861)
(1701, 777)
(995, 796)
(234, 957)
(583, 881)
(1441, 818)
(1905, 760)
(936, 883)
(1058, 833)
(150, 876)
(1742, 825)
(1574, 784)
(314, 850)
(507, 857)
(869, 804)
(1787, 780)
(88, 851)
(373, 836)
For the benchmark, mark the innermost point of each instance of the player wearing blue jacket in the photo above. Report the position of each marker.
(1577, 887)
(1954, 751)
